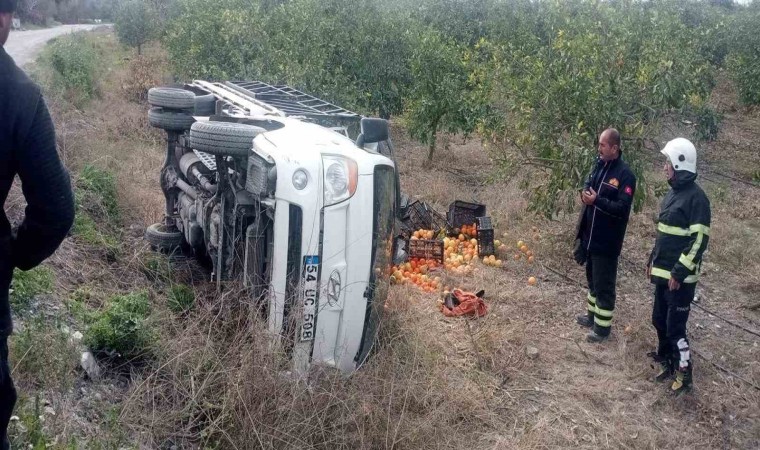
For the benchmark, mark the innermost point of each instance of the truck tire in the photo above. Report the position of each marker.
(169, 120)
(205, 105)
(171, 98)
(162, 239)
(223, 138)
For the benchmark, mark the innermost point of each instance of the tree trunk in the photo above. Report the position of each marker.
(431, 146)
(139, 49)
(431, 149)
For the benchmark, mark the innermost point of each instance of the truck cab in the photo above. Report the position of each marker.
(290, 196)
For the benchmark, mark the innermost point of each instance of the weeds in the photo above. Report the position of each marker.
(28, 284)
(181, 298)
(122, 328)
(74, 62)
(44, 355)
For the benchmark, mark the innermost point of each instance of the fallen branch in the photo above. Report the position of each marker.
(563, 276)
(733, 374)
(726, 320)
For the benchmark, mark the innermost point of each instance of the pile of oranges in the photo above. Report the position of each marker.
(460, 253)
(417, 271)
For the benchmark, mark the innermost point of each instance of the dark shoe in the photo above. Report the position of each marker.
(593, 337)
(666, 372)
(585, 321)
(682, 382)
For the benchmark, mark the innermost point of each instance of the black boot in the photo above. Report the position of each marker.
(664, 366)
(585, 320)
(666, 371)
(682, 382)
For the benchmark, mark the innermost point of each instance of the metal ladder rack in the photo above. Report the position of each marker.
(289, 100)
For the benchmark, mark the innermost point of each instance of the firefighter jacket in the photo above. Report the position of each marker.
(602, 225)
(683, 230)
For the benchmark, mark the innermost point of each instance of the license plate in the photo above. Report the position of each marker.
(310, 281)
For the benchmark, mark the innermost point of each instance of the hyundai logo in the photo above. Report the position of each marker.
(333, 288)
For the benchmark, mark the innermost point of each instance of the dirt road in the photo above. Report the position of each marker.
(23, 46)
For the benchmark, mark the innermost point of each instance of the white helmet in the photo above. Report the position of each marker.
(682, 154)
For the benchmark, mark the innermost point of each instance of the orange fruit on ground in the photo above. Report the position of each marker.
(532, 281)
(517, 256)
(524, 249)
(529, 253)
(520, 244)
(531, 259)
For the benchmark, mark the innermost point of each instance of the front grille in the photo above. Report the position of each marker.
(293, 275)
(258, 177)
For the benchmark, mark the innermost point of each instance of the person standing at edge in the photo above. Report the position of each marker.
(683, 230)
(27, 149)
(607, 197)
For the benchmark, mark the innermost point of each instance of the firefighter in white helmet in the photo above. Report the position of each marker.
(683, 230)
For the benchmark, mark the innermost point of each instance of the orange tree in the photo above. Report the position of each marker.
(588, 66)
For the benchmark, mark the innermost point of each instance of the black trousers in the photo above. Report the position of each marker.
(669, 317)
(7, 393)
(601, 274)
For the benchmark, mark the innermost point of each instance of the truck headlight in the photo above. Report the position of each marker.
(341, 175)
(300, 179)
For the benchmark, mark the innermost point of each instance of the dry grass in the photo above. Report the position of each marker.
(434, 382)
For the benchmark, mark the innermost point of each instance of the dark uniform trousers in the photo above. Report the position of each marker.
(7, 393)
(601, 274)
(669, 316)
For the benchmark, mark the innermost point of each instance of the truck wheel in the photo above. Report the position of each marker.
(223, 138)
(171, 98)
(205, 105)
(162, 239)
(169, 120)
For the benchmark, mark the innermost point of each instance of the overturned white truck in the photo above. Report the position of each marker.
(292, 195)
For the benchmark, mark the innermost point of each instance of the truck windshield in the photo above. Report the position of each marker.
(382, 254)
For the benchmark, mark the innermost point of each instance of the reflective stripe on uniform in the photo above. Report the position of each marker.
(602, 323)
(604, 313)
(687, 262)
(662, 273)
(696, 228)
(676, 231)
(591, 302)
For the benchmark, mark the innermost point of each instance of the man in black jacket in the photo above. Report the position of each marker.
(607, 198)
(27, 149)
(683, 230)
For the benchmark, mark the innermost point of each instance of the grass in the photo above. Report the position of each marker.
(44, 354)
(28, 284)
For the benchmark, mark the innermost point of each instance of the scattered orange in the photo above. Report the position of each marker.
(532, 281)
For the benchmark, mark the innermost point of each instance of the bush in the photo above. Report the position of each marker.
(27, 285)
(744, 60)
(122, 327)
(181, 298)
(74, 63)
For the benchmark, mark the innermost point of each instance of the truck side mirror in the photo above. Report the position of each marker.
(374, 130)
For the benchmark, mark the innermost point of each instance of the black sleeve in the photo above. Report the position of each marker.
(699, 229)
(621, 205)
(47, 189)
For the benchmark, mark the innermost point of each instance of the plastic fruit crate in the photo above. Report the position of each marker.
(426, 249)
(423, 217)
(485, 237)
(464, 213)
